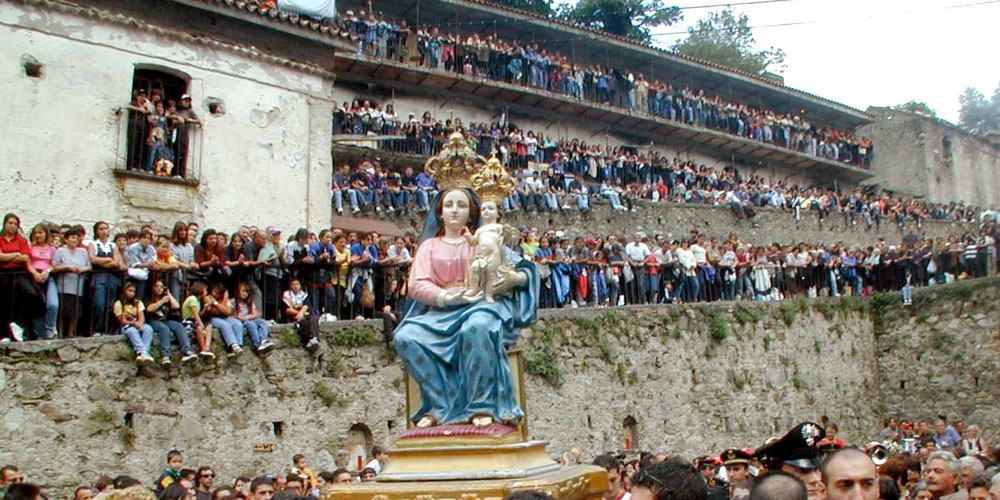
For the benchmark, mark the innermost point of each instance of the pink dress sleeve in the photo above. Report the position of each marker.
(422, 287)
(437, 266)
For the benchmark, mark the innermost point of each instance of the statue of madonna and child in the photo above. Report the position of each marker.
(469, 295)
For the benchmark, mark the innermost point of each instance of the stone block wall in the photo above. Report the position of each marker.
(680, 379)
(678, 220)
(942, 355)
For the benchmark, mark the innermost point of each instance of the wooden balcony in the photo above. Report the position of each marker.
(543, 104)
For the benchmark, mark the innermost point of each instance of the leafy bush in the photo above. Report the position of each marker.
(718, 327)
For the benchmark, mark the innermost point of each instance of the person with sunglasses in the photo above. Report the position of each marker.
(9, 474)
(204, 481)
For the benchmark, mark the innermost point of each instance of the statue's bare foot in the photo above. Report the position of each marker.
(482, 421)
(426, 421)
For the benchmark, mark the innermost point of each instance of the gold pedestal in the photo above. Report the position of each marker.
(447, 463)
(460, 462)
(579, 482)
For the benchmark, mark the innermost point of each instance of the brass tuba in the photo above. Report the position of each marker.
(877, 452)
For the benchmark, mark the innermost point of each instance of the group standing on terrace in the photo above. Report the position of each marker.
(570, 175)
(528, 64)
(182, 285)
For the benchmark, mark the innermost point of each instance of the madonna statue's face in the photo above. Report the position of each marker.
(455, 209)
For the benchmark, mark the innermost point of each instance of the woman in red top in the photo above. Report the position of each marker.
(20, 301)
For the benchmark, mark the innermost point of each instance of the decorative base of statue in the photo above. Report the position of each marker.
(465, 462)
(467, 436)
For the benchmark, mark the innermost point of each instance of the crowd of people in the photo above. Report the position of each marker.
(570, 174)
(908, 461)
(182, 284)
(159, 132)
(58, 281)
(530, 65)
(608, 271)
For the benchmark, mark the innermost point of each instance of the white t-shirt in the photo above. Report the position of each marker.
(637, 251)
(699, 253)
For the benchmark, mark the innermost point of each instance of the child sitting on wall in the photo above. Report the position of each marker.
(191, 316)
(297, 311)
(129, 311)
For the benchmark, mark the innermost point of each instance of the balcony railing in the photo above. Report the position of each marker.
(160, 146)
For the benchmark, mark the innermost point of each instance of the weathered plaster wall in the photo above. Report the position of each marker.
(266, 161)
(922, 157)
(695, 379)
(678, 220)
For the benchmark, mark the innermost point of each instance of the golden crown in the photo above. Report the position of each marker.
(455, 165)
(492, 182)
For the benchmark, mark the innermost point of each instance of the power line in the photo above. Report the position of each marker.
(730, 4)
(836, 19)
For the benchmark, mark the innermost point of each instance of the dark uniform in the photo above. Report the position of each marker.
(717, 488)
(797, 453)
(738, 490)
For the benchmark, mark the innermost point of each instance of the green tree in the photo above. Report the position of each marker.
(628, 18)
(916, 106)
(976, 113)
(543, 7)
(723, 38)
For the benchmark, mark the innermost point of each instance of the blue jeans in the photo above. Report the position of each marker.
(106, 287)
(615, 200)
(583, 202)
(323, 299)
(166, 331)
(422, 199)
(399, 199)
(231, 330)
(257, 328)
(141, 339)
(45, 327)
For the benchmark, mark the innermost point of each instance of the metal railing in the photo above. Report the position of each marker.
(51, 309)
(159, 145)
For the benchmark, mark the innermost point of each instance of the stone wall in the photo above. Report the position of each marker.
(678, 220)
(942, 355)
(64, 134)
(933, 159)
(687, 380)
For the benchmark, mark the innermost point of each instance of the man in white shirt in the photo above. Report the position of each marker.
(665, 258)
(688, 289)
(636, 252)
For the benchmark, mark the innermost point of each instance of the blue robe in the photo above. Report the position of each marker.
(458, 355)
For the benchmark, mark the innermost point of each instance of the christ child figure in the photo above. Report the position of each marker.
(490, 254)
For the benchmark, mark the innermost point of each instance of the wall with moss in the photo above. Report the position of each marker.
(941, 356)
(677, 220)
(689, 380)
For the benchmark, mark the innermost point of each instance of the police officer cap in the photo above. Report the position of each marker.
(799, 447)
(735, 456)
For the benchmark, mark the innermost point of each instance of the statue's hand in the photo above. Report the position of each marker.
(509, 280)
(460, 297)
